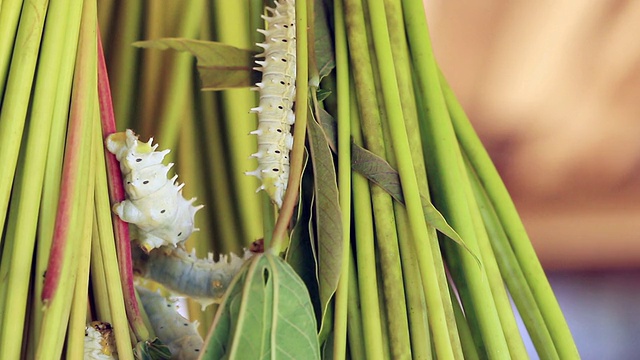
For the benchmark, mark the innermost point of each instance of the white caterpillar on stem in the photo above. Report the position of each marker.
(154, 204)
(277, 94)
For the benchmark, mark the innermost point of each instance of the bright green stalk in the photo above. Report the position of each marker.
(9, 16)
(55, 151)
(78, 316)
(123, 59)
(231, 21)
(365, 258)
(408, 178)
(178, 87)
(192, 173)
(354, 316)
(451, 177)
(513, 227)
(466, 339)
(14, 108)
(385, 224)
(108, 257)
(299, 130)
(30, 175)
(99, 288)
(416, 303)
(153, 74)
(227, 224)
(344, 179)
(513, 276)
(367, 278)
(63, 268)
(503, 305)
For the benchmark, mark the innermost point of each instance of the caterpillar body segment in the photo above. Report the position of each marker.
(154, 205)
(180, 335)
(182, 273)
(277, 96)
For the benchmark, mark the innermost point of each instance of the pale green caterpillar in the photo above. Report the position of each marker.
(277, 94)
(182, 273)
(171, 328)
(154, 204)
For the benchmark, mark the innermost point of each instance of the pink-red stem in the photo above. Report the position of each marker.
(116, 193)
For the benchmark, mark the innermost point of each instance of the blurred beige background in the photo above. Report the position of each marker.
(553, 89)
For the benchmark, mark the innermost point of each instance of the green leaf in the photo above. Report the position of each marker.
(323, 41)
(220, 66)
(378, 171)
(328, 214)
(266, 314)
(323, 94)
(152, 350)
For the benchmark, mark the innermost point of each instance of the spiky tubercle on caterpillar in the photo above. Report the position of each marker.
(277, 95)
(171, 328)
(182, 273)
(154, 204)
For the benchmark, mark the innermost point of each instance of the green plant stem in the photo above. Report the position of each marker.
(227, 224)
(355, 332)
(385, 225)
(344, 179)
(513, 227)
(496, 284)
(445, 158)
(231, 28)
(367, 278)
(106, 250)
(179, 84)
(78, 316)
(9, 16)
(29, 178)
(299, 130)
(416, 303)
(116, 194)
(513, 276)
(55, 152)
(19, 84)
(407, 172)
(365, 258)
(466, 338)
(123, 59)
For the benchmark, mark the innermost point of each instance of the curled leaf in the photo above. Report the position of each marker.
(220, 66)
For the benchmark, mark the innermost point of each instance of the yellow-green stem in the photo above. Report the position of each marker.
(344, 179)
(19, 84)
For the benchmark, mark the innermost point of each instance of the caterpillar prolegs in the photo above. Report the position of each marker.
(277, 94)
(155, 205)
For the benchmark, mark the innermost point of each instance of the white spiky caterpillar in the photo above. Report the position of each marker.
(180, 335)
(99, 341)
(182, 273)
(277, 94)
(154, 204)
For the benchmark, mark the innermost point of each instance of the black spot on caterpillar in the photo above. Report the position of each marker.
(154, 204)
(277, 94)
(183, 273)
(170, 327)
